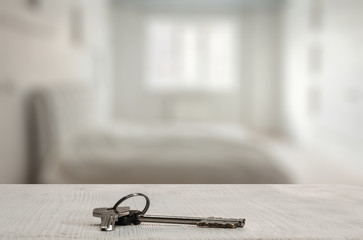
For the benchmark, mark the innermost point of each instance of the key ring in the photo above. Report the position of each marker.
(134, 195)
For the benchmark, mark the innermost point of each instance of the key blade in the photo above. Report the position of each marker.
(221, 223)
(210, 222)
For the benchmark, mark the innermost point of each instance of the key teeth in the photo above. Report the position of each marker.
(212, 222)
(216, 224)
(242, 222)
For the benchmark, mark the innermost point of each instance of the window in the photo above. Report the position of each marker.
(190, 55)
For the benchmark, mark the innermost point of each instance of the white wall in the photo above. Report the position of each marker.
(323, 72)
(261, 59)
(37, 48)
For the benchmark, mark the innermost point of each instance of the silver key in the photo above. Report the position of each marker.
(136, 217)
(210, 222)
(109, 216)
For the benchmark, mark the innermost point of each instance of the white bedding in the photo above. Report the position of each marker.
(131, 153)
(124, 142)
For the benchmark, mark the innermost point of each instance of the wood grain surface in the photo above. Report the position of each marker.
(271, 211)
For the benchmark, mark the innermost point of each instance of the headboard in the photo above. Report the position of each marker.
(53, 116)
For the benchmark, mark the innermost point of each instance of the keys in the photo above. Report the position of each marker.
(122, 216)
(134, 217)
(110, 216)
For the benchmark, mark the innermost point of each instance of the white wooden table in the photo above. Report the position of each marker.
(271, 211)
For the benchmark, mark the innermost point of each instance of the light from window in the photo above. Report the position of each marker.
(196, 55)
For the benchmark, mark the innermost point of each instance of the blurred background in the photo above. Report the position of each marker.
(181, 91)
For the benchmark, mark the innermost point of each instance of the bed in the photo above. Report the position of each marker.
(70, 143)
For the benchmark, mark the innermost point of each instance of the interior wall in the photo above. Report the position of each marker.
(46, 43)
(322, 72)
(261, 80)
(254, 103)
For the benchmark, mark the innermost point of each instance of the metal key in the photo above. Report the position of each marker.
(210, 222)
(110, 216)
(124, 216)
(135, 217)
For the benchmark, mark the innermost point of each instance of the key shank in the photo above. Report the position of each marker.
(199, 221)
